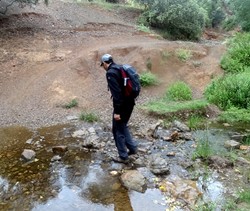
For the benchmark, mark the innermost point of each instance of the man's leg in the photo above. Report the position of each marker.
(120, 139)
(130, 143)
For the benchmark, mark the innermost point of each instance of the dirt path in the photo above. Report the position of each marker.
(49, 57)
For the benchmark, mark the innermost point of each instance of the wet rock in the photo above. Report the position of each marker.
(59, 149)
(181, 126)
(231, 144)
(219, 162)
(152, 131)
(29, 141)
(134, 180)
(238, 137)
(187, 136)
(243, 160)
(79, 133)
(91, 130)
(158, 165)
(174, 136)
(92, 142)
(184, 190)
(28, 154)
(56, 158)
(71, 118)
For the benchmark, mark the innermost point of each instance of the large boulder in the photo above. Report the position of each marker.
(158, 165)
(134, 180)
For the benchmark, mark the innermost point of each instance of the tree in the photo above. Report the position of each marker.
(22, 3)
(182, 19)
(242, 8)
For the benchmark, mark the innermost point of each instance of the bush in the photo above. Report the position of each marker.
(230, 91)
(148, 79)
(242, 13)
(183, 54)
(179, 91)
(237, 58)
(183, 19)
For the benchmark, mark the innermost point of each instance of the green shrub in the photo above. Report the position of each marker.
(179, 91)
(237, 57)
(230, 23)
(89, 117)
(71, 104)
(183, 54)
(183, 19)
(242, 13)
(230, 91)
(148, 79)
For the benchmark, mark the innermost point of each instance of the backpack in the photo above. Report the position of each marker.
(132, 86)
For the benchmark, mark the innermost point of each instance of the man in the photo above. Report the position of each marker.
(123, 107)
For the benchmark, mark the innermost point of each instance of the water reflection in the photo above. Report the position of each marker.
(80, 181)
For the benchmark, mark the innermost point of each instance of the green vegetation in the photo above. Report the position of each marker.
(183, 19)
(179, 91)
(230, 204)
(71, 104)
(244, 196)
(165, 55)
(241, 8)
(178, 99)
(203, 149)
(143, 28)
(183, 54)
(195, 122)
(164, 106)
(148, 79)
(89, 117)
(246, 140)
(209, 206)
(230, 91)
(234, 115)
(237, 57)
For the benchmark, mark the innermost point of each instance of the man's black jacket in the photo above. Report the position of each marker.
(116, 87)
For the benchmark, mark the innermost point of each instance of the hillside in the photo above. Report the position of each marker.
(50, 55)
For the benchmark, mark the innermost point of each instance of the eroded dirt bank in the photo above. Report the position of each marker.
(49, 57)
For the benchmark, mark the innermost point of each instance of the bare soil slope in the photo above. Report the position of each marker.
(50, 55)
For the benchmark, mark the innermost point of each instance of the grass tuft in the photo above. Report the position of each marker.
(71, 104)
(89, 117)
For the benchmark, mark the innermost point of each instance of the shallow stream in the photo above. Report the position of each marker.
(81, 180)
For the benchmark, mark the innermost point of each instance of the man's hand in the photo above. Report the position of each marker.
(117, 117)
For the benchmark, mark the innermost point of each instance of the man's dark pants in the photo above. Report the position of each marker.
(122, 136)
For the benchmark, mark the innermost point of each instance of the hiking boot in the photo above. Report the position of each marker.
(120, 160)
(132, 152)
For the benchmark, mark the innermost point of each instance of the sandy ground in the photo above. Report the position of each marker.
(50, 55)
